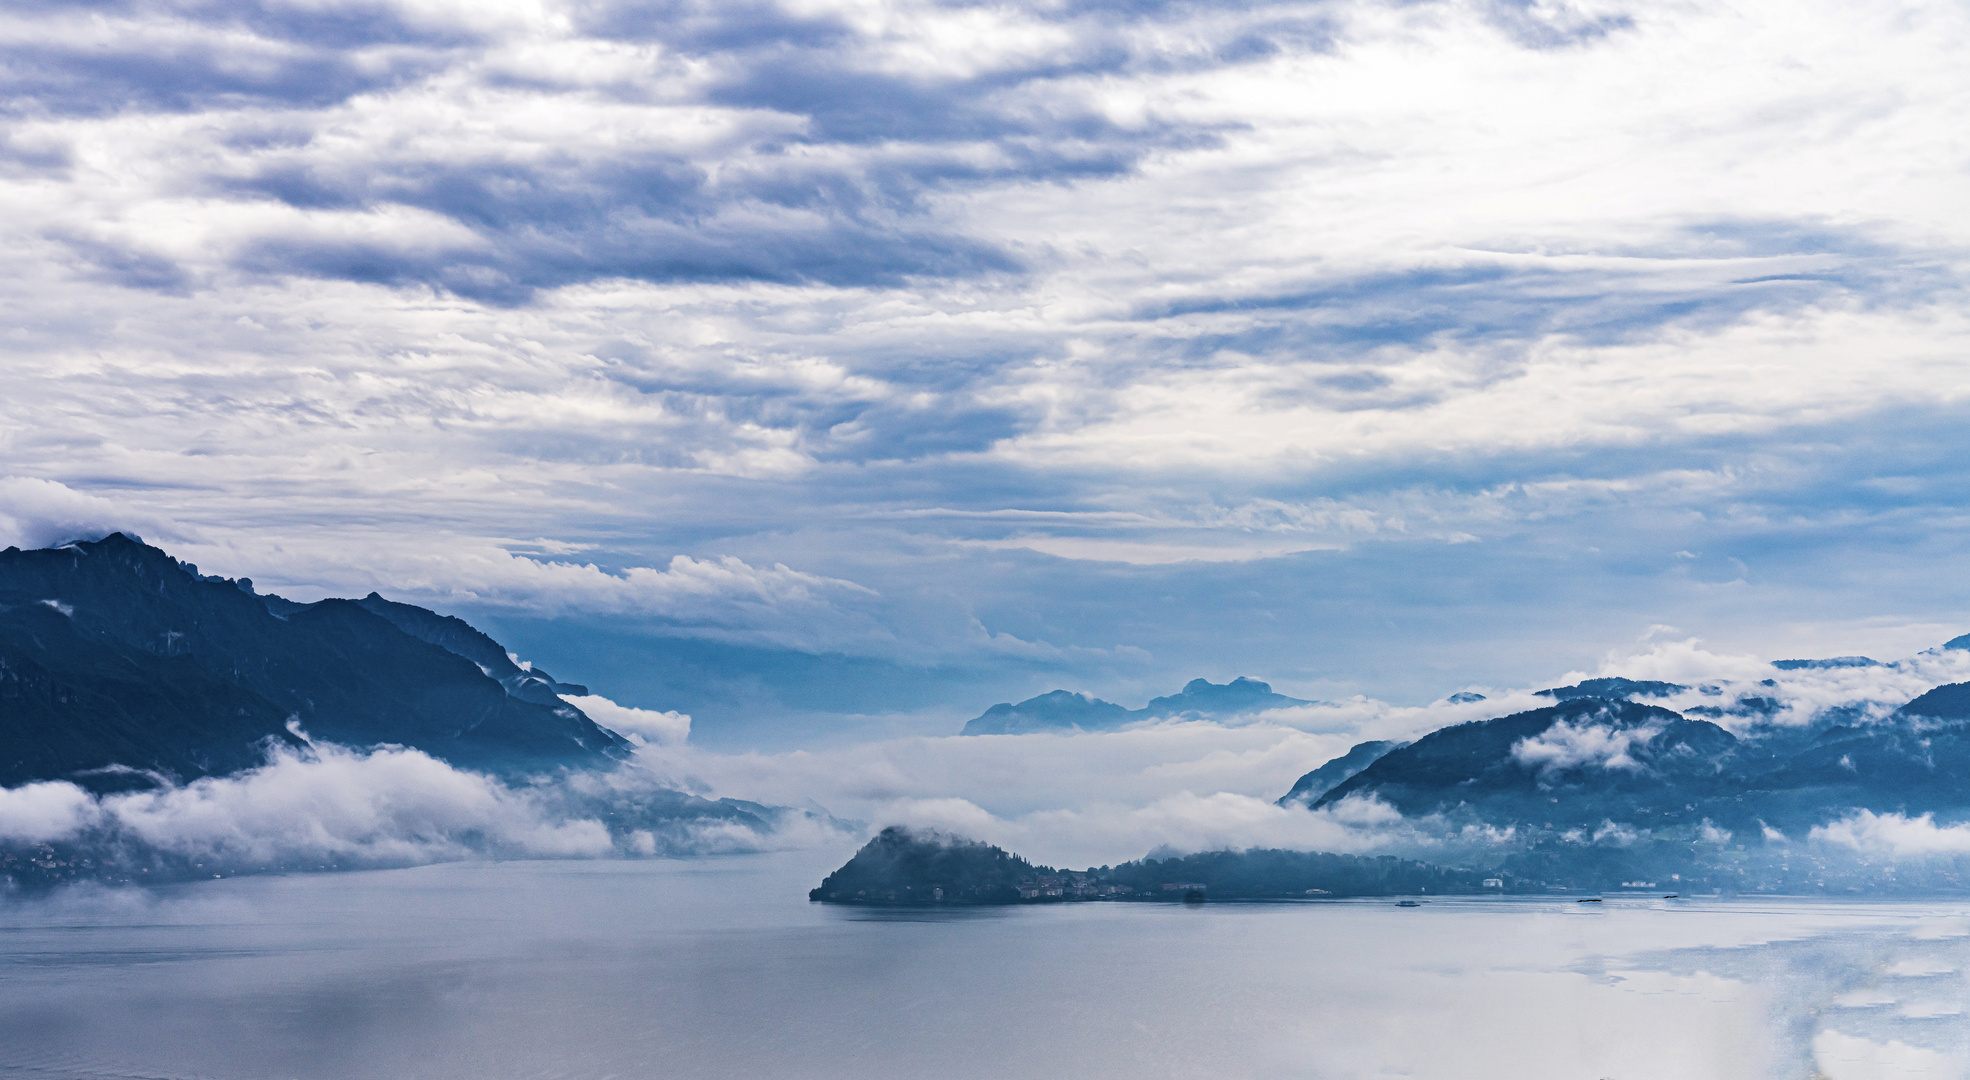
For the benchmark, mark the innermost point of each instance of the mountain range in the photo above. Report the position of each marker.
(1601, 786)
(122, 667)
(1063, 710)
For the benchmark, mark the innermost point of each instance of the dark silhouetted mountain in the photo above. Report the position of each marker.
(1613, 688)
(1583, 761)
(1329, 776)
(73, 706)
(1464, 697)
(1962, 642)
(1916, 761)
(1595, 763)
(1063, 710)
(1060, 710)
(1201, 697)
(902, 866)
(1949, 702)
(1829, 662)
(116, 657)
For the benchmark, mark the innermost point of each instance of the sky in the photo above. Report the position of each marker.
(834, 370)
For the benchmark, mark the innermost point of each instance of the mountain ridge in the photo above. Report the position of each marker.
(1065, 710)
(1586, 762)
(118, 661)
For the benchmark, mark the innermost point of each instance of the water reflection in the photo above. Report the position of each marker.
(919, 914)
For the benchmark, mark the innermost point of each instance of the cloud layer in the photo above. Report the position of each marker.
(1099, 797)
(336, 807)
(1070, 799)
(1130, 342)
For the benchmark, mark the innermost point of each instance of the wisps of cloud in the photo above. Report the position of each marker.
(329, 806)
(1585, 744)
(1894, 835)
(644, 726)
(42, 513)
(1743, 692)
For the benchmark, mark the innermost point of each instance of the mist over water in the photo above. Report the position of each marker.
(719, 968)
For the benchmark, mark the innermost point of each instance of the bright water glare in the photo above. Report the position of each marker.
(720, 968)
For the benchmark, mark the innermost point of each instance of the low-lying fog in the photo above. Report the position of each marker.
(1064, 799)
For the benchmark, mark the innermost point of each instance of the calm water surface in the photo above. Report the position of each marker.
(720, 968)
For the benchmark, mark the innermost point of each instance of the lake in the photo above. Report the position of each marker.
(720, 968)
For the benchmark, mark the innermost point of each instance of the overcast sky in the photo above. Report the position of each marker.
(830, 366)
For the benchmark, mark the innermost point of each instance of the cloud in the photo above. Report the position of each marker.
(661, 728)
(1570, 745)
(1743, 692)
(148, 57)
(1842, 1056)
(37, 813)
(334, 806)
(1185, 822)
(718, 596)
(1078, 799)
(1470, 315)
(728, 190)
(37, 513)
(1018, 774)
(390, 805)
(1893, 835)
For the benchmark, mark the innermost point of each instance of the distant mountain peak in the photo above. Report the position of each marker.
(1830, 662)
(1056, 710)
(1614, 688)
(1066, 710)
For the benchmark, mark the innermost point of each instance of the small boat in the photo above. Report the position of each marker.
(1670, 896)
(1408, 903)
(1589, 900)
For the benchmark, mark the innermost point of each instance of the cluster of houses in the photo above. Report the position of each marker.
(1085, 887)
(1069, 887)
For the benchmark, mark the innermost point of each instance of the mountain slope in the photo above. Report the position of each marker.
(1581, 762)
(71, 704)
(1589, 762)
(457, 636)
(1336, 772)
(113, 654)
